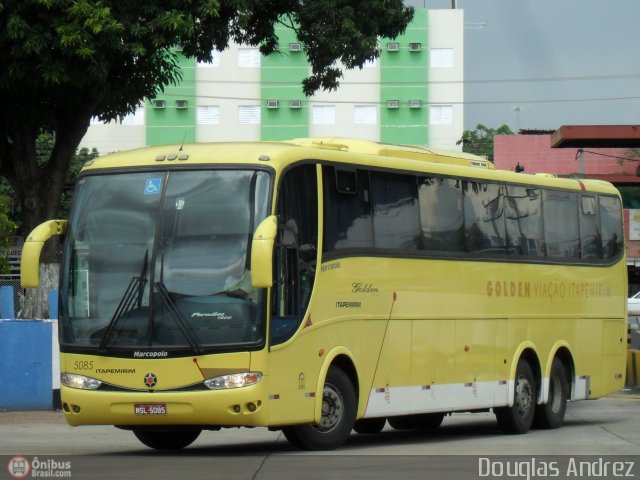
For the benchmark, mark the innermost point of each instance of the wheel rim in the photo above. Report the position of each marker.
(524, 396)
(332, 408)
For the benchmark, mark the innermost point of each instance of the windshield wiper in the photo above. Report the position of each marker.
(132, 297)
(178, 317)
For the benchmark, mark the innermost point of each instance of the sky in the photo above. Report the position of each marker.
(541, 64)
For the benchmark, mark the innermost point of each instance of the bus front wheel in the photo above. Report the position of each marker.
(518, 418)
(551, 414)
(169, 439)
(339, 407)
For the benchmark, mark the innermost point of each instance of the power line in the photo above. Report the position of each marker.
(626, 159)
(440, 102)
(622, 76)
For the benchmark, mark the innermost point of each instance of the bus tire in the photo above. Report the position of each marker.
(428, 421)
(551, 414)
(339, 406)
(370, 425)
(402, 422)
(422, 421)
(518, 418)
(166, 439)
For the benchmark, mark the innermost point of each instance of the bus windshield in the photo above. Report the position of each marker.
(161, 259)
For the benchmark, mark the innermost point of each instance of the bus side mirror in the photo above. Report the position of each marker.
(30, 258)
(262, 253)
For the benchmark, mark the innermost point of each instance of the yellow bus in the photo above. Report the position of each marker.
(320, 286)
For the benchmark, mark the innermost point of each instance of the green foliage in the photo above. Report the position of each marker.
(64, 62)
(116, 53)
(7, 229)
(44, 146)
(79, 159)
(480, 140)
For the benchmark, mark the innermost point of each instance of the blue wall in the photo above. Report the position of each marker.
(26, 365)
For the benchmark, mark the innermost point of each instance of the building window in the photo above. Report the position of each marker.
(365, 115)
(135, 118)
(208, 115)
(441, 114)
(324, 115)
(442, 58)
(249, 114)
(248, 58)
(215, 60)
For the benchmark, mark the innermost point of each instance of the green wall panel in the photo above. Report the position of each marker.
(281, 75)
(403, 76)
(172, 124)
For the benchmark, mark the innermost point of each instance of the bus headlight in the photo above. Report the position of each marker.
(79, 381)
(235, 380)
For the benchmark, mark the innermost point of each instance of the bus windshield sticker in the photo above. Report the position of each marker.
(152, 186)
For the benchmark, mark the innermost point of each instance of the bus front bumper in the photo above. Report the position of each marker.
(233, 407)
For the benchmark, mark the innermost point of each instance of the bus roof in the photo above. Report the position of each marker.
(401, 151)
(279, 154)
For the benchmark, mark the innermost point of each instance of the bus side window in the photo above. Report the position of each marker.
(611, 227)
(296, 251)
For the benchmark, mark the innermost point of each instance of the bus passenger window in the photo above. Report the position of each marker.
(396, 219)
(561, 224)
(612, 234)
(484, 217)
(589, 222)
(441, 215)
(524, 221)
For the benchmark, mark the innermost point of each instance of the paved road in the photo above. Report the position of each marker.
(610, 426)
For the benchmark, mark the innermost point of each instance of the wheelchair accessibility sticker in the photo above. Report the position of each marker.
(152, 186)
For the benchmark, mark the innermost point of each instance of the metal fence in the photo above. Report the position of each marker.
(13, 280)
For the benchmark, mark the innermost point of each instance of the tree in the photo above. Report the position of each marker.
(480, 140)
(7, 228)
(64, 62)
(10, 213)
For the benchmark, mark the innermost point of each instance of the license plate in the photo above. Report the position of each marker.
(150, 409)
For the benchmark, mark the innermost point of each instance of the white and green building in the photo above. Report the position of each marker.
(412, 94)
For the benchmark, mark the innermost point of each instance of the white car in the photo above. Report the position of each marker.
(633, 304)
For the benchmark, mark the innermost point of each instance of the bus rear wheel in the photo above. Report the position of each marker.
(551, 414)
(339, 407)
(169, 439)
(518, 418)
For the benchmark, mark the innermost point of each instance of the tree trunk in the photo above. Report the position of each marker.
(36, 302)
(38, 188)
